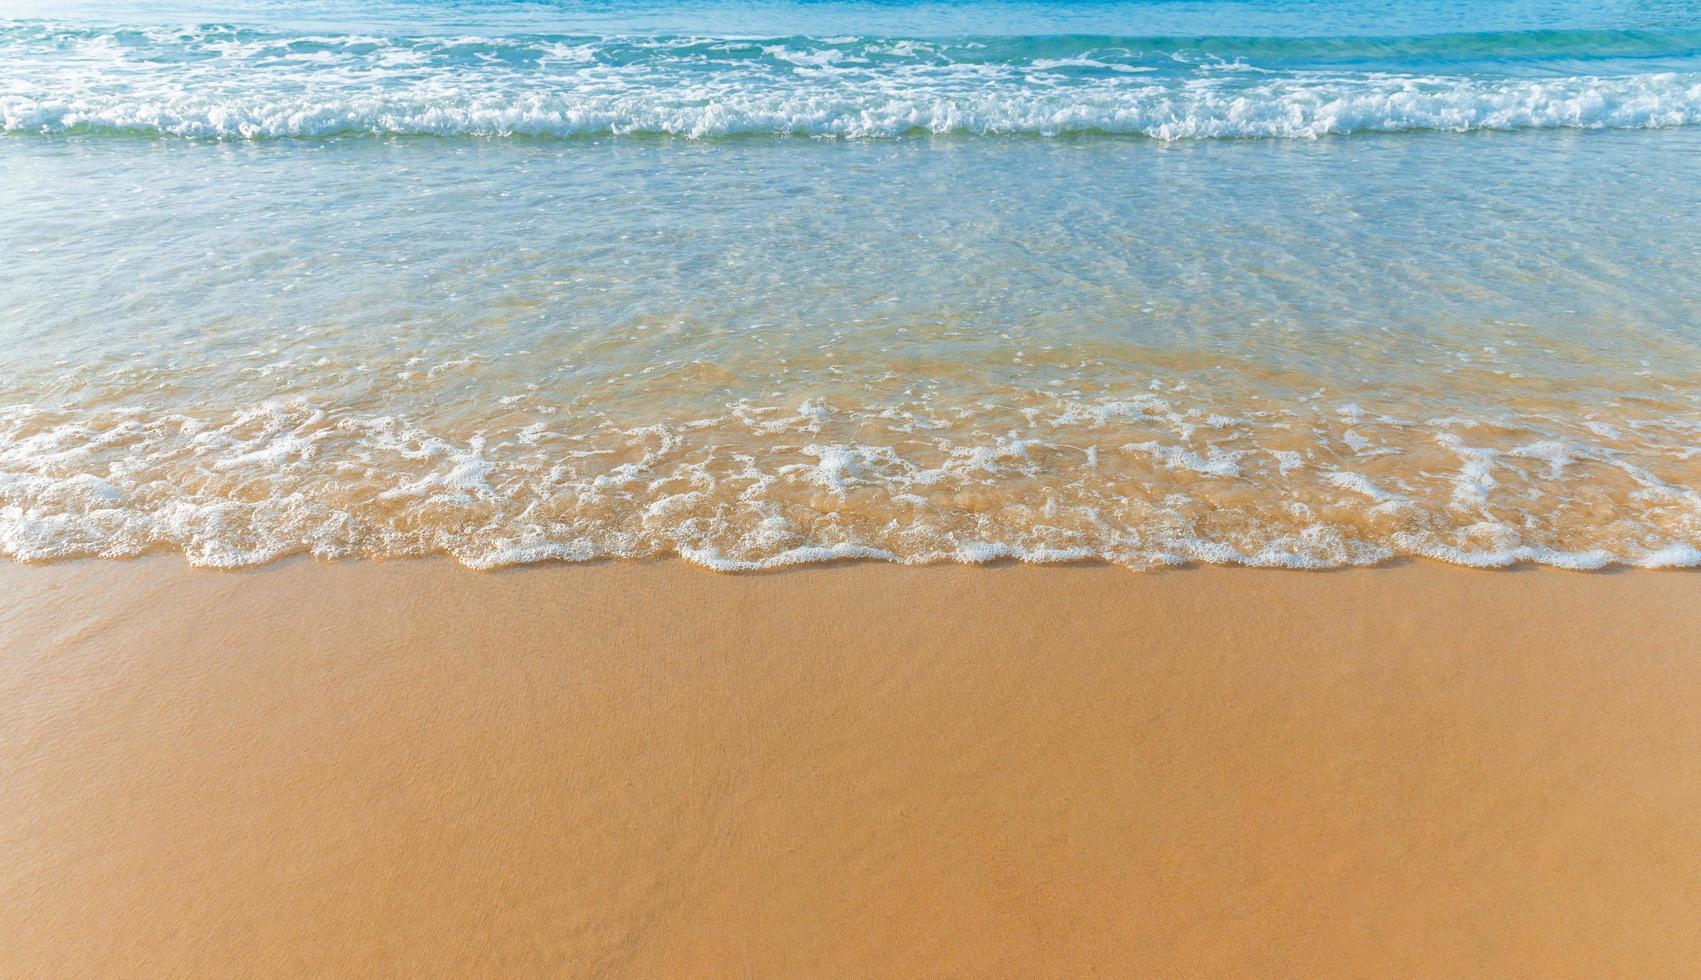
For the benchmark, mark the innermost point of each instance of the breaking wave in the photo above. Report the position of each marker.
(224, 83)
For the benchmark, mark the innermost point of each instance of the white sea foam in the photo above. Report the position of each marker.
(1214, 462)
(1557, 455)
(220, 84)
(1293, 109)
(283, 478)
(1475, 479)
(1358, 484)
(285, 353)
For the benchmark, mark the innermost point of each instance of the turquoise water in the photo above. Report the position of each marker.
(1298, 284)
(1167, 71)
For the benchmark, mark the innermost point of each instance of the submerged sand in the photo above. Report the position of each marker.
(646, 769)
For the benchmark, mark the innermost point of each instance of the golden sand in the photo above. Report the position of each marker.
(645, 769)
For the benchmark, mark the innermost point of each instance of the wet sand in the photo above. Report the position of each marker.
(645, 769)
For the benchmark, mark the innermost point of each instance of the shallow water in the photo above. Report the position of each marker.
(378, 290)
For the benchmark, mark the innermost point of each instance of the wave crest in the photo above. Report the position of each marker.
(1303, 110)
(224, 83)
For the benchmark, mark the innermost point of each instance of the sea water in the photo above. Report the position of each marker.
(1295, 282)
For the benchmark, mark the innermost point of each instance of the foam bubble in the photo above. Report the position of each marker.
(216, 85)
(276, 480)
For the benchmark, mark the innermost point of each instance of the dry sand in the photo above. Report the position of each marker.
(645, 769)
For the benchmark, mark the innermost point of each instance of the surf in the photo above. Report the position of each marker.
(229, 83)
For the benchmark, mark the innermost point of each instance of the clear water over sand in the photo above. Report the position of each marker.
(742, 311)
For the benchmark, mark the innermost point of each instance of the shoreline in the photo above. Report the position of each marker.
(371, 768)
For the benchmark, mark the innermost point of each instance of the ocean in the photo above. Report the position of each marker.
(1290, 283)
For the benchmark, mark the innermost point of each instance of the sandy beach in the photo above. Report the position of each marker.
(645, 769)
(836, 488)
